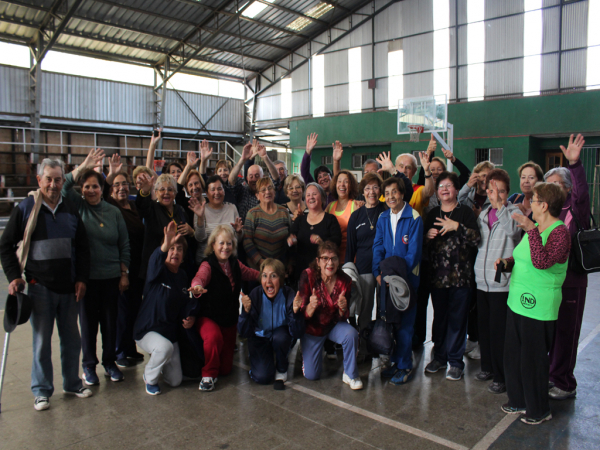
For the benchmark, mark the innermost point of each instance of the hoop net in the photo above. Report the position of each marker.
(415, 131)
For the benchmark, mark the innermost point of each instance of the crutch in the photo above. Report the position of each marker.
(3, 369)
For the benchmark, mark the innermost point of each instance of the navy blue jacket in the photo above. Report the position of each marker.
(248, 322)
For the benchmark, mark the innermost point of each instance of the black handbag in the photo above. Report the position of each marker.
(585, 247)
(379, 334)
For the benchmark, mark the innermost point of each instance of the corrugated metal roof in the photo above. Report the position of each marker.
(143, 31)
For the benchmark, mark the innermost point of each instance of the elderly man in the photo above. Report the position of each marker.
(407, 164)
(245, 190)
(57, 268)
(281, 197)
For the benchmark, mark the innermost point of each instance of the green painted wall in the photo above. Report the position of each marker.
(507, 123)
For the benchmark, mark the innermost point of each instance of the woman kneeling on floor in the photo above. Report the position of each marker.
(219, 281)
(272, 320)
(324, 289)
(166, 305)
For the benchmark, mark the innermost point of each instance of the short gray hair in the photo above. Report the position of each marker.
(371, 161)
(563, 173)
(411, 156)
(165, 178)
(279, 162)
(321, 191)
(53, 164)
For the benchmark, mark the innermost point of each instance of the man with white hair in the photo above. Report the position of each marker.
(56, 262)
(280, 196)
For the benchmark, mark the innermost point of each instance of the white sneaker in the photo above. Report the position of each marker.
(475, 353)
(355, 384)
(281, 376)
(207, 384)
(81, 393)
(470, 346)
(41, 403)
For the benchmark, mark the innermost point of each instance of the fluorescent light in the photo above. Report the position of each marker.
(395, 78)
(318, 85)
(315, 12)
(286, 97)
(255, 9)
(354, 80)
(285, 130)
(14, 55)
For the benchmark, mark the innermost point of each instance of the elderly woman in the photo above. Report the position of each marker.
(164, 311)
(157, 214)
(452, 234)
(399, 233)
(294, 189)
(529, 174)
(344, 189)
(362, 227)
(324, 288)
(473, 194)
(116, 192)
(267, 227)
(563, 353)
(271, 320)
(213, 212)
(539, 268)
(219, 282)
(110, 258)
(499, 237)
(311, 229)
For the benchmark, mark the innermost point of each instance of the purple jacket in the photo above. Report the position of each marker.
(579, 200)
(308, 178)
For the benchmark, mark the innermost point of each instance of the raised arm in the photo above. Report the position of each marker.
(114, 167)
(152, 149)
(311, 141)
(92, 161)
(192, 161)
(205, 153)
(429, 188)
(246, 152)
(338, 152)
(262, 152)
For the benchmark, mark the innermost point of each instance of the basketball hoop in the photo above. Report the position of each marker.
(415, 131)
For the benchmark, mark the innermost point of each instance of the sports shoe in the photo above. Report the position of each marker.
(281, 376)
(332, 355)
(532, 421)
(152, 389)
(89, 376)
(506, 408)
(434, 366)
(137, 356)
(475, 353)
(484, 376)
(556, 393)
(497, 388)
(402, 376)
(114, 373)
(354, 383)
(390, 371)
(123, 362)
(470, 346)
(81, 392)
(454, 373)
(41, 403)
(207, 384)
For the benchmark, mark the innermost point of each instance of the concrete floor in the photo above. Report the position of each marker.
(428, 413)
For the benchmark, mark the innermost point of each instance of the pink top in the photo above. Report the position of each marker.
(202, 278)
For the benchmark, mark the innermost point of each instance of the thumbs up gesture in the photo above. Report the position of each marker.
(297, 302)
(313, 304)
(246, 303)
(342, 303)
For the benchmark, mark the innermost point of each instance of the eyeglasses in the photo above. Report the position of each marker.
(327, 259)
(267, 189)
(371, 189)
(445, 186)
(162, 190)
(295, 188)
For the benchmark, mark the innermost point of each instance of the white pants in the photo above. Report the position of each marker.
(164, 357)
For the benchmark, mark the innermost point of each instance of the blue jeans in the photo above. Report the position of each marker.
(312, 350)
(46, 307)
(403, 332)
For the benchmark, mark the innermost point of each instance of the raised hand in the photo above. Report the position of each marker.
(297, 305)
(93, 159)
(238, 225)
(171, 235)
(447, 225)
(311, 141)
(313, 304)
(205, 150)
(449, 155)
(386, 163)
(197, 206)
(473, 180)
(247, 151)
(523, 222)
(573, 151)
(192, 159)
(154, 139)
(262, 151)
(114, 164)
(342, 302)
(425, 163)
(338, 150)
(185, 229)
(197, 290)
(431, 147)
(254, 148)
(246, 303)
(146, 183)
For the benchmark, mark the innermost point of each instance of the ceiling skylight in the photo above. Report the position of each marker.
(255, 9)
(315, 12)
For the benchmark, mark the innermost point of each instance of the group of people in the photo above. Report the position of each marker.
(194, 259)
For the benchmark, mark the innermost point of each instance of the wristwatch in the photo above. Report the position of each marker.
(124, 272)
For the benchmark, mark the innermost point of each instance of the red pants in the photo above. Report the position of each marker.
(219, 345)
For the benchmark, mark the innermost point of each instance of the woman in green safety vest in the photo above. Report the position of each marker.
(539, 268)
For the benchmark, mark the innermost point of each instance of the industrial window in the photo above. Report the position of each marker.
(354, 80)
(326, 160)
(286, 97)
(416, 155)
(593, 42)
(255, 9)
(359, 159)
(532, 47)
(318, 85)
(493, 155)
(441, 47)
(395, 73)
(475, 49)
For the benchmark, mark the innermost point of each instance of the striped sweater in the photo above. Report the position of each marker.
(265, 235)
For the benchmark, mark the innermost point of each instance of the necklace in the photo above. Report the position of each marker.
(367, 211)
(170, 214)
(312, 227)
(450, 216)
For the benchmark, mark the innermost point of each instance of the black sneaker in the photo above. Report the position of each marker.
(89, 376)
(454, 373)
(114, 373)
(532, 421)
(497, 388)
(137, 356)
(123, 362)
(506, 408)
(434, 366)
(207, 384)
(484, 376)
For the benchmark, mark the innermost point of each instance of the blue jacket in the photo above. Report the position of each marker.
(409, 242)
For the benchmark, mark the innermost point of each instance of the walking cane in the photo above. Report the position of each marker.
(4, 356)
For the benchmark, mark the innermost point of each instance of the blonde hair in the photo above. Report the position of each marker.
(290, 179)
(483, 165)
(222, 228)
(223, 163)
(142, 169)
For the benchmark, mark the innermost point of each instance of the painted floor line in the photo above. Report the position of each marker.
(583, 344)
(495, 432)
(378, 418)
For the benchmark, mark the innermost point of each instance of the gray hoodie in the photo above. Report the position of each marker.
(499, 242)
(466, 196)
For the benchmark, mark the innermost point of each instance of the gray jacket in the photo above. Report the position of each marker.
(466, 196)
(499, 242)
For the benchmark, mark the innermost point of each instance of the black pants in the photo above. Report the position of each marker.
(472, 325)
(450, 310)
(526, 363)
(491, 310)
(129, 306)
(422, 301)
(261, 351)
(99, 306)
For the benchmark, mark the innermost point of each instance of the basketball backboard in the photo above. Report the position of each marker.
(429, 112)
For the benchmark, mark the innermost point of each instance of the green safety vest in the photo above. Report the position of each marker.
(536, 293)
